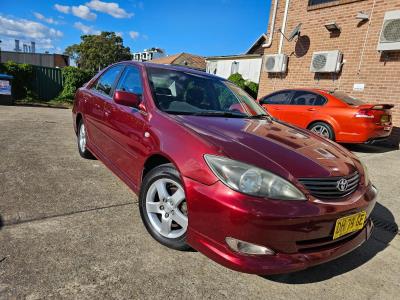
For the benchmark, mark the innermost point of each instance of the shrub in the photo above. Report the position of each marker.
(73, 78)
(23, 78)
(249, 86)
(238, 80)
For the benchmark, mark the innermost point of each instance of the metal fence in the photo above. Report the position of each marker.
(47, 82)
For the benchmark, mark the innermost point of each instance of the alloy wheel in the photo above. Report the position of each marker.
(321, 130)
(82, 138)
(166, 208)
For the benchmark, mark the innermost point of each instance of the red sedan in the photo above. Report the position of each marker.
(333, 115)
(216, 173)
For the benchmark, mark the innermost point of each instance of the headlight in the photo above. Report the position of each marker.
(366, 175)
(251, 180)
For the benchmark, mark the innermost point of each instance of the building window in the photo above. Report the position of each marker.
(316, 2)
(235, 67)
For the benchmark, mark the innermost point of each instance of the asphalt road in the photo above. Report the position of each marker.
(70, 229)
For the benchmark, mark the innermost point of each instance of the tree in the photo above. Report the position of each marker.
(95, 52)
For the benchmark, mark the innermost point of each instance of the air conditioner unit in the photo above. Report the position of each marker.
(390, 34)
(326, 62)
(276, 63)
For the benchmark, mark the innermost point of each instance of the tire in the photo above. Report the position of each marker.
(163, 207)
(323, 129)
(82, 140)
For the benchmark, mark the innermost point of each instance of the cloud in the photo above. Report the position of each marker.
(119, 33)
(62, 8)
(22, 29)
(83, 12)
(86, 29)
(134, 34)
(44, 19)
(110, 8)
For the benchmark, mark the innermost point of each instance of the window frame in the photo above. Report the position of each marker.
(313, 6)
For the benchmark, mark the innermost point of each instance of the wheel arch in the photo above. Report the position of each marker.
(155, 160)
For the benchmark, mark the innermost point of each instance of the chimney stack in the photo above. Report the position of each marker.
(33, 47)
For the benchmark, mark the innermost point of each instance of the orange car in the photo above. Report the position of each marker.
(333, 115)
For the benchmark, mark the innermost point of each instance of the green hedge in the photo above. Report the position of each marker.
(73, 78)
(249, 86)
(23, 78)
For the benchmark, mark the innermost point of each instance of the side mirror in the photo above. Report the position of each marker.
(127, 99)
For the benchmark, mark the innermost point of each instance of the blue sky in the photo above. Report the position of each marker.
(207, 27)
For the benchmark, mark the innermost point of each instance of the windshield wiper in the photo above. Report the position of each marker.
(261, 116)
(225, 114)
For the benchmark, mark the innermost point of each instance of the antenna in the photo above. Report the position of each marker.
(295, 32)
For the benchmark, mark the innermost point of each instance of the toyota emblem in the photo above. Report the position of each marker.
(342, 185)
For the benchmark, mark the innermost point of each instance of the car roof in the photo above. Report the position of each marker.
(172, 68)
(314, 90)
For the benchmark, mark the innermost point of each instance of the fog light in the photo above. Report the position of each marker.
(247, 248)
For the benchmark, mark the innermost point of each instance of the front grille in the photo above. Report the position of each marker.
(331, 187)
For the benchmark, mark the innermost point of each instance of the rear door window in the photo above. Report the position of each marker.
(277, 98)
(307, 98)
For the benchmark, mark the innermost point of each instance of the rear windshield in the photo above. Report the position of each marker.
(347, 98)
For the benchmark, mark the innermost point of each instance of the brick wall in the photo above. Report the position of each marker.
(379, 72)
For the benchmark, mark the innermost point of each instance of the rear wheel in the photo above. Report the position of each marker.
(82, 141)
(163, 207)
(323, 129)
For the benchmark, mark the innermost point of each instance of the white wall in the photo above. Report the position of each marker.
(249, 68)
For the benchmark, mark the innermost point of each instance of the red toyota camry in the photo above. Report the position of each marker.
(216, 173)
(332, 114)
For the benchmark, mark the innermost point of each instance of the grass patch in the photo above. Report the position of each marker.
(55, 103)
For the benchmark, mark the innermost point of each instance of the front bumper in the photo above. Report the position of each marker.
(299, 232)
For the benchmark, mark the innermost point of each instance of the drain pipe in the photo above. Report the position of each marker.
(272, 26)
(284, 25)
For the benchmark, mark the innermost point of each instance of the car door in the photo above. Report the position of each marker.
(276, 103)
(99, 93)
(304, 106)
(124, 127)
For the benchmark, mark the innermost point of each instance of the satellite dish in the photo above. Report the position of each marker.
(295, 32)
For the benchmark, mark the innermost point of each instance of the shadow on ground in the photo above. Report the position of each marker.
(1, 222)
(384, 232)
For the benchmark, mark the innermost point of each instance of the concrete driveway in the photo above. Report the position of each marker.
(71, 229)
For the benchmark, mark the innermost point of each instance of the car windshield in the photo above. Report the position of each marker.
(347, 98)
(183, 92)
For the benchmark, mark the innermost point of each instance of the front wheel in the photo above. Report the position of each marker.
(163, 207)
(323, 129)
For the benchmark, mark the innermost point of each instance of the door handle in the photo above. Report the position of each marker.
(311, 109)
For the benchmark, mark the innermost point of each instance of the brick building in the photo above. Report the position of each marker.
(366, 73)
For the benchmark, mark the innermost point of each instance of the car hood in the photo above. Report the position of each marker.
(280, 148)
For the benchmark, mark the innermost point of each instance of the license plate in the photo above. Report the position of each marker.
(386, 128)
(349, 224)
